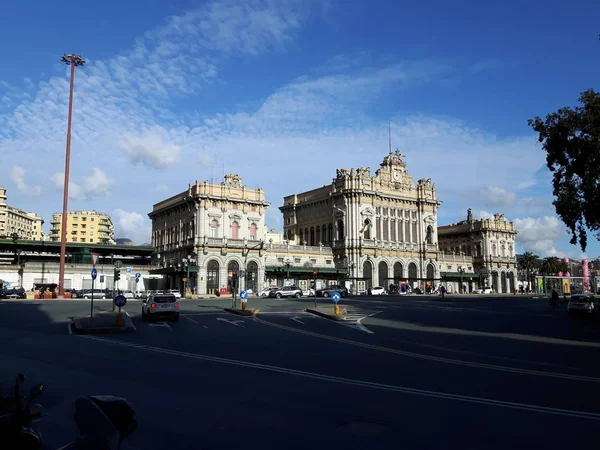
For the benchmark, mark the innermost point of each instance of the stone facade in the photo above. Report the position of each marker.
(363, 230)
(484, 248)
(27, 225)
(382, 228)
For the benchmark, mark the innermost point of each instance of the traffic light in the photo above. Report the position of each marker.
(314, 273)
(234, 279)
(117, 274)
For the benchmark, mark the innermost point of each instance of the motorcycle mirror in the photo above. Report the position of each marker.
(36, 390)
(36, 412)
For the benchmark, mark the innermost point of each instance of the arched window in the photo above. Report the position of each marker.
(398, 272)
(235, 228)
(368, 274)
(290, 235)
(412, 271)
(301, 237)
(340, 230)
(253, 232)
(212, 277)
(493, 249)
(214, 228)
(318, 235)
(367, 229)
(383, 273)
(312, 236)
(429, 237)
(252, 276)
(330, 234)
(478, 250)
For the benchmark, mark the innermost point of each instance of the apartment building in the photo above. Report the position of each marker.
(84, 227)
(27, 225)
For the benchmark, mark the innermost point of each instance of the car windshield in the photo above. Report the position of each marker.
(581, 298)
(164, 299)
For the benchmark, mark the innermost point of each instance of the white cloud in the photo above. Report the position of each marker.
(526, 184)
(483, 215)
(132, 225)
(540, 235)
(18, 176)
(497, 196)
(93, 185)
(151, 149)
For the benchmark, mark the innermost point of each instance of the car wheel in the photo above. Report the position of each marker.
(176, 318)
(297, 295)
(344, 294)
(278, 295)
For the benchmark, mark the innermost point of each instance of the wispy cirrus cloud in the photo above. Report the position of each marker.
(19, 178)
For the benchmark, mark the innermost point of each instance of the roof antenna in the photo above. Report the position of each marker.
(390, 136)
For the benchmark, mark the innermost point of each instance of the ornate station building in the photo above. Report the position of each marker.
(361, 230)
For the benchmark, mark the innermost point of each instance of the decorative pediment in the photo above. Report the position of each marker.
(338, 212)
(367, 212)
(235, 216)
(430, 219)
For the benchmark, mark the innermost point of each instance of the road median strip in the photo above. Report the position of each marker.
(326, 315)
(102, 323)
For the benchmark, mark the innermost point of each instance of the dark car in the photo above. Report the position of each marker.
(326, 292)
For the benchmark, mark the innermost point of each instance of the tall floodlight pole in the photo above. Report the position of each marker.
(71, 60)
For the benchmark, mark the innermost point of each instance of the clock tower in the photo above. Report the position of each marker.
(393, 168)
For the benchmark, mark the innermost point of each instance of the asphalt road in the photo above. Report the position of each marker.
(402, 373)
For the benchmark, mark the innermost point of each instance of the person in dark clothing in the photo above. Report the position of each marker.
(554, 299)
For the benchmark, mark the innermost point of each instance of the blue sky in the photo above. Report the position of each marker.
(172, 91)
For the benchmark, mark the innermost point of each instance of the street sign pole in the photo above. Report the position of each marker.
(94, 275)
(92, 303)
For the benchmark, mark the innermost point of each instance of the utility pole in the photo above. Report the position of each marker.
(72, 60)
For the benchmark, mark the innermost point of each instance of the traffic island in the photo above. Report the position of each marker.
(104, 322)
(242, 312)
(327, 312)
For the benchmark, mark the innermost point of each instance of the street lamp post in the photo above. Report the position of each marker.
(72, 60)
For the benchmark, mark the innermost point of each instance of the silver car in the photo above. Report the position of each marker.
(160, 306)
(581, 303)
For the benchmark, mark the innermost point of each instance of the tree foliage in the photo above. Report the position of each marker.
(571, 139)
(552, 266)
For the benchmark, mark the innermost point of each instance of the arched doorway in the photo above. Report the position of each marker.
(212, 277)
(252, 276)
(412, 274)
(368, 274)
(430, 283)
(503, 281)
(383, 274)
(495, 281)
(397, 272)
(511, 281)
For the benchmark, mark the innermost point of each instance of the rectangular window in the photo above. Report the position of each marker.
(314, 261)
(280, 260)
(414, 232)
(449, 267)
(386, 236)
(393, 230)
(327, 261)
(296, 260)
(91, 219)
(83, 219)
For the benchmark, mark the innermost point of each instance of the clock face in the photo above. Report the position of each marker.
(396, 175)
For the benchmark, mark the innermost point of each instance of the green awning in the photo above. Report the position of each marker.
(458, 275)
(320, 270)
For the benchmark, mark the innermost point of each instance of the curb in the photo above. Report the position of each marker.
(79, 329)
(335, 317)
(242, 312)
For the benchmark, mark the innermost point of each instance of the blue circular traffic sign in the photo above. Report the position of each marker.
(137, 275)
(335, 297)
(94, 273)
(120, 301)
(243, 295)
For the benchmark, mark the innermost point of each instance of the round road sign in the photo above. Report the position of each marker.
(335, 297)
(94, 273)
(120, 301)
(118, 264)
(243, 295)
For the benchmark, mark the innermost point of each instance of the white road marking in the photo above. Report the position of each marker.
(360, 383)
(297, 319)
(189, 318)
(161, 324)
(237, 323)
(356, 321)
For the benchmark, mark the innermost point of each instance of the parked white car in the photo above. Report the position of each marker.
(265, 292)
(174, 292)
(377, 290)
(483, 290)
(160, 305)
